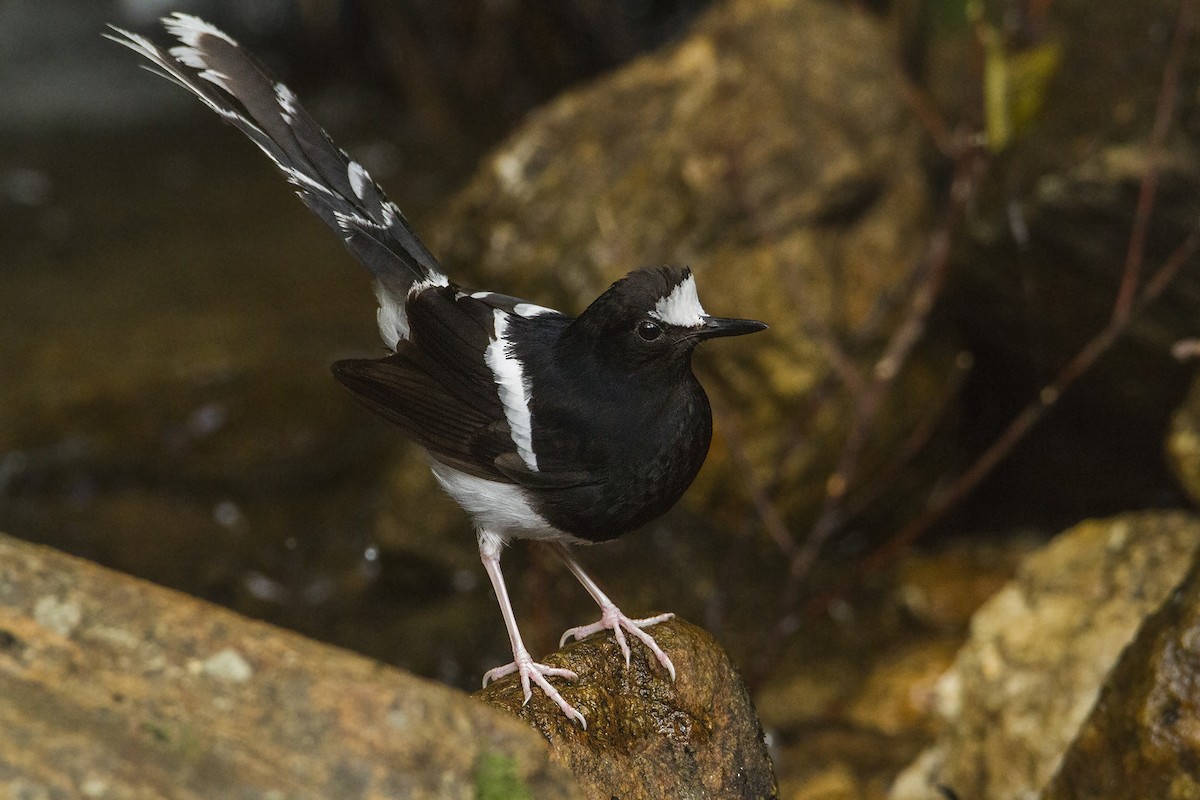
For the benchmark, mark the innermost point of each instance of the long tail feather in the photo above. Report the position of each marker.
(227, 79)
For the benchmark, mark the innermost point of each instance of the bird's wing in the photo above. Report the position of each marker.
(446, 390)
(402, 388)
(227, 79)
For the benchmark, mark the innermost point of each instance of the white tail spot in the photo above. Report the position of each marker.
(358, 178)
(189, 29)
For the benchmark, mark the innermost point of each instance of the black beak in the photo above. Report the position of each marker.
(724, 326)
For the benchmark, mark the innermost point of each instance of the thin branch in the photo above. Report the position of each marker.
(1164, 116)
(969, 169)
(929, 116)
(1128, 304)
(768, 513)
(1033, 413)
(865, 496)
(870, 400)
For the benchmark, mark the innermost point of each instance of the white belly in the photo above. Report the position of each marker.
(500, 509)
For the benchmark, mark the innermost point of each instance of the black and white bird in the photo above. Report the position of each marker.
(542, 426)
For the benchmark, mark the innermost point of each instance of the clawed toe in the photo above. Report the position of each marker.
(532, 674)
(545, 669)
(612, 619)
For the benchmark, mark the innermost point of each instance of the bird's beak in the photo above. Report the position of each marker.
(724, 326)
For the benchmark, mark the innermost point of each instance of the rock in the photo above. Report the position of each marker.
(854, 692)
(113, 687)
(841, 763)
(944, 588)
(832, 783)
(897, 697)
(1183, 443)
(648, 737)
(772, 152)
(886, 693)
(1039, 651)
(845, 717)
(1141, 739)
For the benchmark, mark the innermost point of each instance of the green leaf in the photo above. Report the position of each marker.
(1014, 85)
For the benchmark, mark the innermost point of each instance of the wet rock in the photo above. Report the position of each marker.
(649, 737)
(1039, 652)
(112, 687)
(771, 151)
(844, 764)
(1141, 739)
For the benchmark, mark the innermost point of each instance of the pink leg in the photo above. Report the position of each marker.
(522, 663)
(611, 617)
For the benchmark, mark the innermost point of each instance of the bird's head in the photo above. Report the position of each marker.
(652, 316)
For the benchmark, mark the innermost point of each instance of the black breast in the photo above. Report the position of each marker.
(641, 439)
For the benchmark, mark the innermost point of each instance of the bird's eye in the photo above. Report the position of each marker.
(649, 331)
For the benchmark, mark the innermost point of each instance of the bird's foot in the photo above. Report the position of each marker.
(613, 619)
(532, 671)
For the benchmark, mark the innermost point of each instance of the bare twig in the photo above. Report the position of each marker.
(1130, 301)
(1125, 309)
(768, 513)
(869, 399)
(865, 496)
(928, 115)
(1164, 116)
(1033, 413)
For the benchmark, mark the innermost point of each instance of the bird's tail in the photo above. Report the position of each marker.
(227, 79)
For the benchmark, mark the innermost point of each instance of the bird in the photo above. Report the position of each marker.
(542, 426)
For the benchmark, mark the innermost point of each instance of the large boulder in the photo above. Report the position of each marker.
(1039, 652)
(1141, 739)
(113, 687)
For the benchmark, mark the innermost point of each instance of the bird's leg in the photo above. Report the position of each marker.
(522, 663)
(611, 617)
